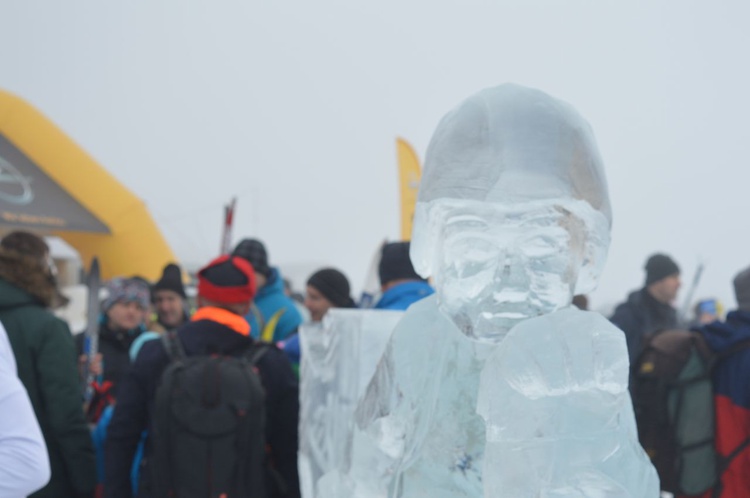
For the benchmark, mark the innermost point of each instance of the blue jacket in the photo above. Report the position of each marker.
(401, 296)
(732, 398)
(293, 350)
(269, 300)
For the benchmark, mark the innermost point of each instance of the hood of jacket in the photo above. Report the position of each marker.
(274, 285)
(401, 296)
(721, 336)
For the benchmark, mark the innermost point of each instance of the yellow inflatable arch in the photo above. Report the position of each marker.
(49, 185)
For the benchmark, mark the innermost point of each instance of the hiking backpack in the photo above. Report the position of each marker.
(674, 409)
(209, 423)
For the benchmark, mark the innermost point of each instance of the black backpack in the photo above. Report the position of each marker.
(209, 423)
(674, 408)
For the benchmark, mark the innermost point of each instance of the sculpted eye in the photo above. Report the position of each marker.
(471, 255)
(540, 247)
(465, 223)
(478, 250)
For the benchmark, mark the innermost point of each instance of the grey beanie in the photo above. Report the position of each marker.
(742, 289)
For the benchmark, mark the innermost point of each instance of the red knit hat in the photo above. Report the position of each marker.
(227, 279)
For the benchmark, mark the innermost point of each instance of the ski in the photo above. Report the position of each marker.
(226, 237)
(91, 341)
(682, 315)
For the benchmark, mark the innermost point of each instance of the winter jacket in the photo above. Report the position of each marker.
(269, 300)
(114, 347)
(293, 351)
(47, 366)
(100, 432)
(135, 403)
(401, 296)
(100, 437)
(641, 315)
(732, 399)
(24, 464)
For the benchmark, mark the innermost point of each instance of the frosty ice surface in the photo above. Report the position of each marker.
(339, 356)
(512, 220)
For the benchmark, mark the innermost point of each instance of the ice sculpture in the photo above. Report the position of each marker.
(559, 418)
(339, 356)
(512, 219)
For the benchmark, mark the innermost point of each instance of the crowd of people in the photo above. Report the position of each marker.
(140, 432)
(108, 445)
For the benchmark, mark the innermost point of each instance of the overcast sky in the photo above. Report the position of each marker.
(294, 108)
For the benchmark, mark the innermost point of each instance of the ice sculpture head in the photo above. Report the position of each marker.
(513, 214)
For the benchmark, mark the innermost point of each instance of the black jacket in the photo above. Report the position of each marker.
(640, 315)
(136, 395)
(115, 350)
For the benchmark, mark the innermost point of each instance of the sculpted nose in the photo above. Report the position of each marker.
(512, 263)
(503, 266)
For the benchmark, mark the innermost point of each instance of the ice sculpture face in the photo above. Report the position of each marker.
(513, 213)
(500, 264)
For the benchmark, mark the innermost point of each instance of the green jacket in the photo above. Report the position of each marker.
(47, 366)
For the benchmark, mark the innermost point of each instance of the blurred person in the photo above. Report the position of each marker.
(730, 340)
(707, 311)
(24, 463)
(327, 288)
(226, 287)
(169, 300)
(401, 286)
(271, 302)
(45, 356)
(123, 318)
(649, 310)
(99, 434)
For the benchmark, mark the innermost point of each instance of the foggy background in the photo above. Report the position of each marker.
(294, 108)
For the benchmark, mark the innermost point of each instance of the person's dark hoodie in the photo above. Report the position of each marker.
(640, 315)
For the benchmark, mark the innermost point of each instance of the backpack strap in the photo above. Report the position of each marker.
(173, 346)
(251, 358)
(724, 463)
(257, 351)
(268, 331)
(164, 484)
(255, 311)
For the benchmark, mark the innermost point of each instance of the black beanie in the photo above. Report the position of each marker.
(171, 279)
(742, 289)
(253, 251)
(660, 266)
(395, 263)
(333, 285)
